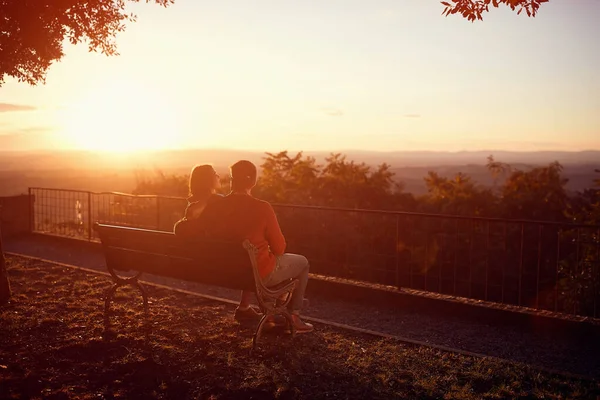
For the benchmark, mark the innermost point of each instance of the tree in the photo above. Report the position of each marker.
(473, 9)
(288, 179)
(4, 283)
(161, 184)
(32, 32)
(458, 196)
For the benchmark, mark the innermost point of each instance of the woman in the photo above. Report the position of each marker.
(203, 185)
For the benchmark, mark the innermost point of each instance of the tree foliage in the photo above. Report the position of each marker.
(32, 32)
(458, 196)
(474, 9)
(161, 184)
(299, 179)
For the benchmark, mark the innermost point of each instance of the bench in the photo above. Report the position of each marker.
(230, 265)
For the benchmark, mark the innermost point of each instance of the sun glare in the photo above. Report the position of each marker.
(120, 118)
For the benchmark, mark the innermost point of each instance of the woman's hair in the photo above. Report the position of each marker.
(243, 175)
(202, 181)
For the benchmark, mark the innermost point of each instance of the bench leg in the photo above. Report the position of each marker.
(111, 294)
(258, 331)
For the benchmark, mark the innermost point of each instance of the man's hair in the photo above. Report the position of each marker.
(243, 175)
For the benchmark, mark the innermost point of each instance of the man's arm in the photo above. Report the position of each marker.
(273, 232)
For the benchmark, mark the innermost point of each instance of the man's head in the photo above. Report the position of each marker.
(243, 175)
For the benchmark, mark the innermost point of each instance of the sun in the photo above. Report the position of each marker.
(122, 118)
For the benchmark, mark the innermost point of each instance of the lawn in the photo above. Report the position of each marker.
(53, 345)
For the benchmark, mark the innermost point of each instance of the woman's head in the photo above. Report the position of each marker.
(243, 175)
(204, 181)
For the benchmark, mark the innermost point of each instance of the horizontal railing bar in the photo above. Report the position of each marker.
(150, 196)
(439, 216)
(366, 211)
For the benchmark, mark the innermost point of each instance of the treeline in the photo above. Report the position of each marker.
(538, 193)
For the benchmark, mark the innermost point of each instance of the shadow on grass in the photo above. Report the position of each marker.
(119, 366)
(53, 345)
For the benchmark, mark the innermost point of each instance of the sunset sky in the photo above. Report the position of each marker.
(270, 75)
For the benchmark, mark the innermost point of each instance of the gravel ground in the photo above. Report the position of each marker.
(508, 342)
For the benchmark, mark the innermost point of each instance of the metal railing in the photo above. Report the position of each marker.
(542, 265)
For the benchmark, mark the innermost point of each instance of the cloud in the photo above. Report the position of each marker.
(8, 107)
(412, 115)
(333, 112)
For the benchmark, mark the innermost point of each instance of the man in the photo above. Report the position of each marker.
(241, 216)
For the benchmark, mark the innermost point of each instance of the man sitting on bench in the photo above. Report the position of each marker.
(240, 216)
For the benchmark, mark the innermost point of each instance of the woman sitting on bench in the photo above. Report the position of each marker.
(203, 185)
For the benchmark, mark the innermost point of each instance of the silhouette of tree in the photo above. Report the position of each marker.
(585, 205)
(458, 196)
(161, 184)
(473, 9)
(33, 32)
(536, 194)
(339, 183)
(288, 179)
(354, 185)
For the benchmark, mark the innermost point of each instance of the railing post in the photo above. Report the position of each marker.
(472, 228)
(90, 216)
(539, 263)
(397, 253)
(504, 262)
(487, 261)
(596, 273)
(31, 213)
(556, 273)
(157, 213)
(456, 246)
(521, 263)
(426, 264)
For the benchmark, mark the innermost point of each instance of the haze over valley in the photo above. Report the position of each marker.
(96, 171)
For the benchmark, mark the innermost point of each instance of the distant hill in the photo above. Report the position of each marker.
(101, 172)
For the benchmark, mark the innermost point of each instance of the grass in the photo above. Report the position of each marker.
(53, 345)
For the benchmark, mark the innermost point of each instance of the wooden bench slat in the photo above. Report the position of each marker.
(158, 253)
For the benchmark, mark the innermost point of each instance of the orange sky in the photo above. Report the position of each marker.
(314, 75)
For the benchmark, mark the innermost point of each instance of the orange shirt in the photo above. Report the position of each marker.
(240, 217)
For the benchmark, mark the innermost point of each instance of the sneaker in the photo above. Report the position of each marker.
(247, 315)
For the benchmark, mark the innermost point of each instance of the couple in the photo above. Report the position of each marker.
(240, 216)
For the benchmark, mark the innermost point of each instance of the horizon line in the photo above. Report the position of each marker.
(148, 151)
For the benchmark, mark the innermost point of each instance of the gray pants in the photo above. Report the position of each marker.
(290, 266)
